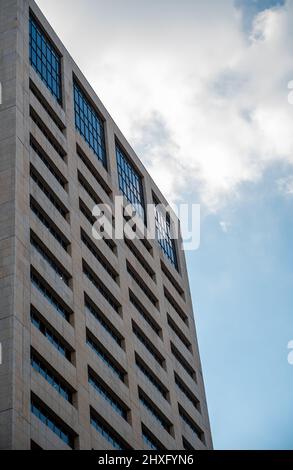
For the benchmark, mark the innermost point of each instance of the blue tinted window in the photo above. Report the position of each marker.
(89, 124)
(45, 59)
(107, 434)
(130, 182)
(43, 415)
(163, 232)
(51, 379)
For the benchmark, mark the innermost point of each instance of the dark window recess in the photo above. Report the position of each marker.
(45, 188)
(143, 312)
(35, 446)
(92, 220)
(50, 259)
(164, 236)
(46, 106)
(142, 285)
(140, 259)
(175, 306)
(190, 371)
(150, 440)
(151, 377)
(191, 424)
(51, 376)
(105, 356)
(130, 182)
(103, 321)
(173, 281)
(188, 394)
(52, 421)
(108, 296)
(108, 395)
(49, 224)
(45, 59)
(186, 444)
(179, 333)
(48, 163)
(108, 433)
(47, 133)
(154, 411)
(51, 334)
(89, 190)
(99, 256)
(148, 345)
(50, 295)
(89, 124)
(93, 170)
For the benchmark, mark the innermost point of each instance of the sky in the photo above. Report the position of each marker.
(200, 89)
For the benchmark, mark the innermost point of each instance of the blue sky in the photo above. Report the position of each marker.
(200, 89)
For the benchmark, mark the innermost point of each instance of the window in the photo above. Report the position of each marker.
(51, 297)
(107, 432)
(101, 288)
(47, 222)
(105, 357)
(48, 163)
(150, 440)
(45, 188)
(50, 334)
(185, 390)
(49, 419)
(163, 232)
(99, 256)
(179, 333)
(45, 59)
(151, 377)
(148, 345)
(50, 259)
(51, 377)
(89, 124)
(184, 363)
(146, 402)
(143, 286)
(130, 182)
(191, 424)
(47, 133)
(176, 307)
(140, 258)
(103, 321)
(102, 389)
(143, 312)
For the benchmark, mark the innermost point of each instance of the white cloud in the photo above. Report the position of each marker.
(224, 226)
(205, 106)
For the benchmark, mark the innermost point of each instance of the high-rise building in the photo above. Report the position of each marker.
(98, 339)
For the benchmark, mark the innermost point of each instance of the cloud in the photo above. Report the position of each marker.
(285, 185)
(204, 103)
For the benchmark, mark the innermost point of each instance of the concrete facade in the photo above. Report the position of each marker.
(85, 182)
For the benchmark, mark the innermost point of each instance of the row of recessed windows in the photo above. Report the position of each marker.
(43, 156)
(42, 412)
(50, 259)
(101, 388)
(49, 224)
(46, 61)
(51, 377)
(52, 336)
(103, 321)
(105, 356)
(52, 421)
(51, 296)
